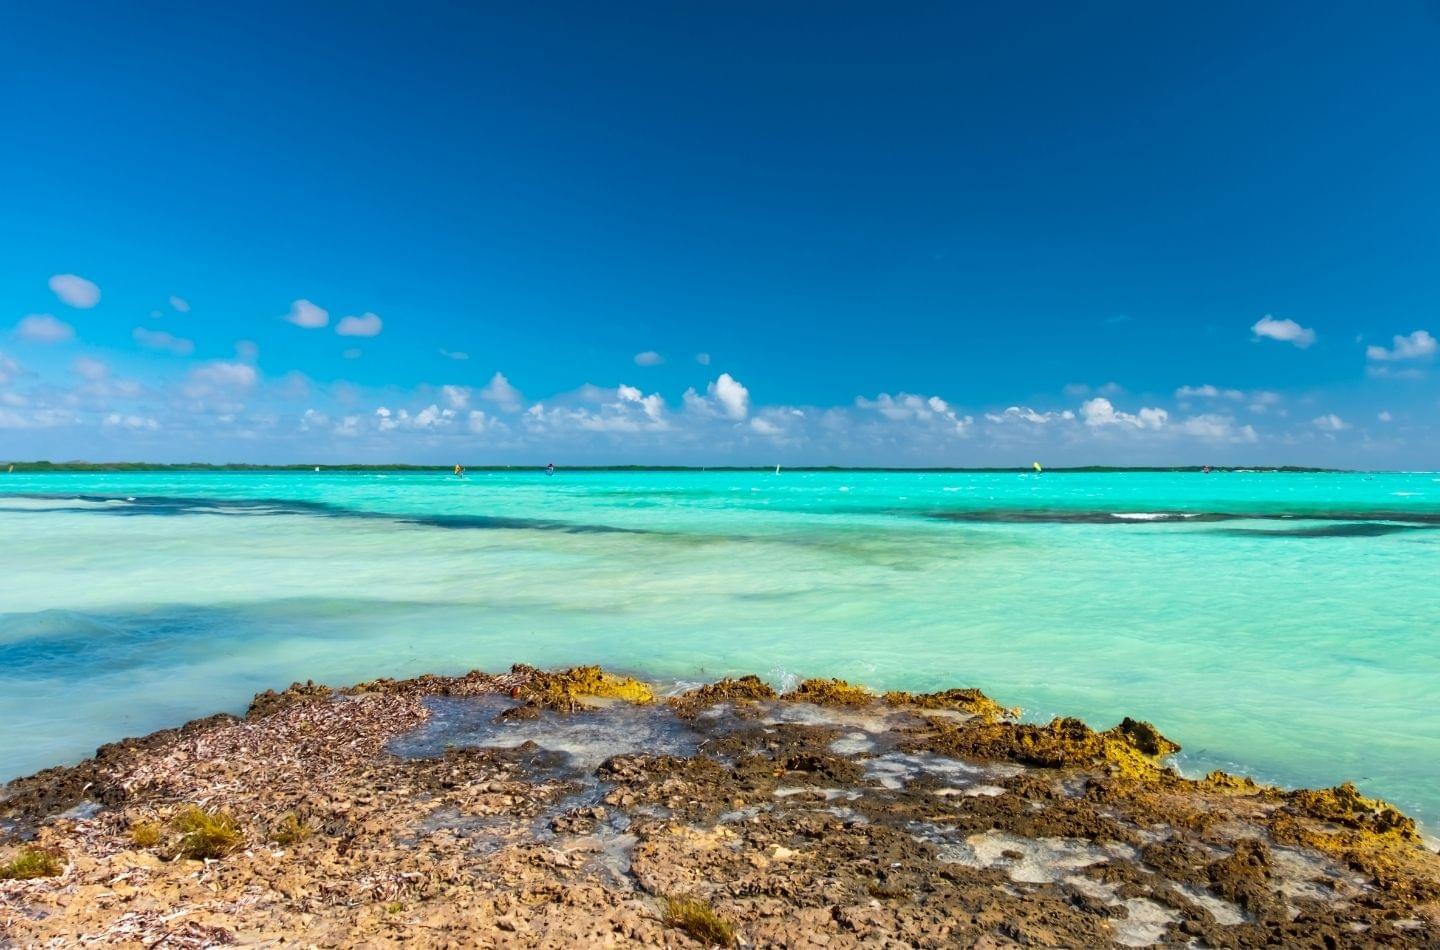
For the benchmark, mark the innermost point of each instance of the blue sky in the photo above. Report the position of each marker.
(922, 234)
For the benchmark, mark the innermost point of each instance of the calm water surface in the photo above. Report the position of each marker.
(1282, 625)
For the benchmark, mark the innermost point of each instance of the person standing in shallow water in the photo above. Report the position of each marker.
(549, 468)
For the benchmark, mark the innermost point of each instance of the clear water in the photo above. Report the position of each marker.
(1295, 639)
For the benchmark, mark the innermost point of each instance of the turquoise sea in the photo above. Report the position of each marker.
(1282, 625)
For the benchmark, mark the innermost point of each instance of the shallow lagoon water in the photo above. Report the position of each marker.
(1281, 625)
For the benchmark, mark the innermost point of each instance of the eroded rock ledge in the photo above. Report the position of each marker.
(579, 809)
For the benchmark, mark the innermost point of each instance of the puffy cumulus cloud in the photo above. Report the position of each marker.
(179, 304)
(454, 354)
(1286, 331)
(430, 418)
(313, 419)
(595, 409)
(779, 423)
(1024, 414)
(367, 324)
(648, 358)
(44, 328)
(305, 314)
(1330, 423)
(652, 405)
(1101, 412)
(732, 398)
(457, 397)
(160, 340)
(1385, 416)
(501, 393)
(478, 422)
(75, 291)
(1415, 346)
(908, 407)
(89, 368)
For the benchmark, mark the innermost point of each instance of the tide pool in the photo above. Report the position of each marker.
(1279, 625)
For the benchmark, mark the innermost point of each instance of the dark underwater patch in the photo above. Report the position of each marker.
(169, 506)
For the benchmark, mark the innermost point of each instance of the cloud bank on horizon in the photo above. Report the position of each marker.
(971, 235)
(100, 404)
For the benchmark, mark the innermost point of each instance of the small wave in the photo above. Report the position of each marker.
(1150, 515)
(1404, 494)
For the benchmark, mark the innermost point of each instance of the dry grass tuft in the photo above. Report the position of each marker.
(291, 831)
(30, 864)
(146, 834)
(207, 834)
(698, 919)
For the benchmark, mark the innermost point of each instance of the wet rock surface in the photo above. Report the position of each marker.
(577, 809)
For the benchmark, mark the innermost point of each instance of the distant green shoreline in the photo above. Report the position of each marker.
(46, 466)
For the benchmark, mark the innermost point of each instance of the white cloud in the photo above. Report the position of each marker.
(458, 397)
(75, 291)
(1330, 423)
(1076, 390)
(1101, 412)
(648, 358)
(652, 405)
(9, 369)
(765, 427)
(367, 324)
(1286, 331)
(904, 407)
(305, 314)
(1026, 414)
(734, 399)
(44, 328)
(477, 422)
(1263, 400)
(1385, 416)
(1416, 346)
(115, 419)
(1217, 428)
(501, 393)
(160, 340)
(89, 368)
(1208, 391)
(454, 355)
(179, 304)
(222, 375)
(703, 359)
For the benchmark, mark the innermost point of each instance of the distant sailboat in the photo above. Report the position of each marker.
(777, 470)
(1038, 469)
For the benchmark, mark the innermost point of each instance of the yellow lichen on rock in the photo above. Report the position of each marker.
(565, 691)
(823, 692)
(1344, 805)
(970, 701)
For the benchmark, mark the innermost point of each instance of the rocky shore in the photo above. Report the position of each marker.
(579, 809)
